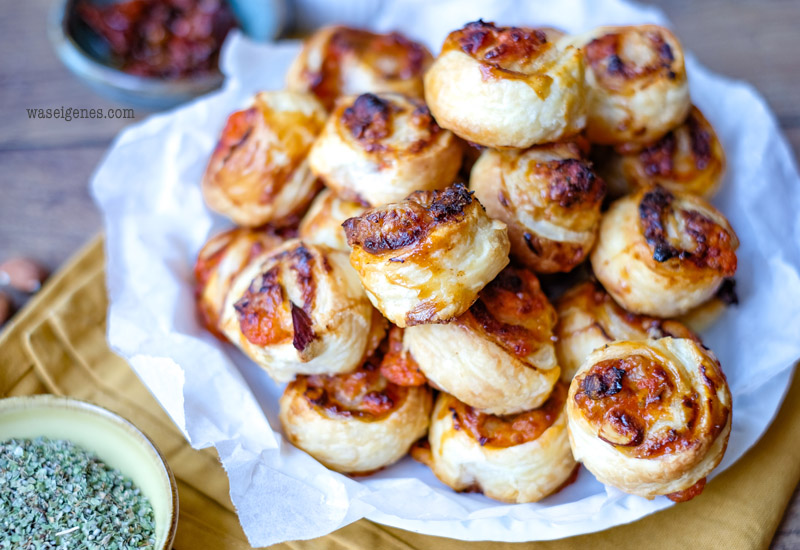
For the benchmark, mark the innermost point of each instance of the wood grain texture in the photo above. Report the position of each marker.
(46, 211)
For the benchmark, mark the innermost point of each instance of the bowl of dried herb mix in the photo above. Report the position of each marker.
(75, 475)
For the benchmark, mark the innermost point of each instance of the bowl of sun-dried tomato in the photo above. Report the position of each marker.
(150, 53)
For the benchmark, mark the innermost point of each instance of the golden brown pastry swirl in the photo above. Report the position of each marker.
(221, 259)
(379, 148)
(357, 422)
(339, 60)
(424, 260)
(498, 356)
(258, 173)
(650, 418)
(300, 310)
(507, 86)
(688, 158)
(548, 196)
(636, 81)
(661, 253)
(516, 458)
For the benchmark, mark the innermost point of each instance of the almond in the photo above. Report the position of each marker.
(23, 274)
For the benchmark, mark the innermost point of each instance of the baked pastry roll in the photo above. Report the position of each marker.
(300, 310)
(339, 60)
(507, 86)
(322, 224)
(701, 318)
(661, 253)
(499, 355)
(637, 85)
(378, 148)
(588, 319)
(549, 198)
(357, 422)
(424, 260)
(650, 418)
(221, 259)
(688, 158)
(258, 172)
(520, 458)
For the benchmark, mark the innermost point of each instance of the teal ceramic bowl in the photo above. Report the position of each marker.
(113, 439)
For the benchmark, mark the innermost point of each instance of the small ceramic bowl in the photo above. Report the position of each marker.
(113, 439)
(89, 58)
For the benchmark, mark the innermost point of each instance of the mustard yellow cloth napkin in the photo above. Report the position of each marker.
(57, 345)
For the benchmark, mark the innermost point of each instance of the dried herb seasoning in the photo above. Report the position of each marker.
(56, 495)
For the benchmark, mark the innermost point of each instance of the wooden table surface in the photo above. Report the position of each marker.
(45, 208)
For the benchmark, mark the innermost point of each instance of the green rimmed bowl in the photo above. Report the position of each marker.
(113, 439)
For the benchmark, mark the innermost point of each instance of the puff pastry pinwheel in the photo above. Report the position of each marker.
(339, 60)
(507, 86)
(221, 259)
(258, 172)
(549, 198)
(519, 458)
(637, 85)
(357, 422)
(650, 418)
(499, 356)
(378, 148)
(661, 254)
(300, 310)
(322, 224)
(701, 318)
(424, 260)
(688, 158)
(588, 319)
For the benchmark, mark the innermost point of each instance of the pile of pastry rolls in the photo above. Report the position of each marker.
(395, 211)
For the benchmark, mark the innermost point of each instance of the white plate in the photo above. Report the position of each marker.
(148, 190)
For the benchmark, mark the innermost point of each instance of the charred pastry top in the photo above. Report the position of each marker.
(659, 159)
(614, 70)
(371, 119)
(572, 182)
(714, 246)
(627, 399)
(364, 393)
(409, 59)
(396, 226)
(260, 308)
(509, 48)
(507, 431)
(513, 312)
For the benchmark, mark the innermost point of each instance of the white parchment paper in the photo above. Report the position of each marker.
(148, 190)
